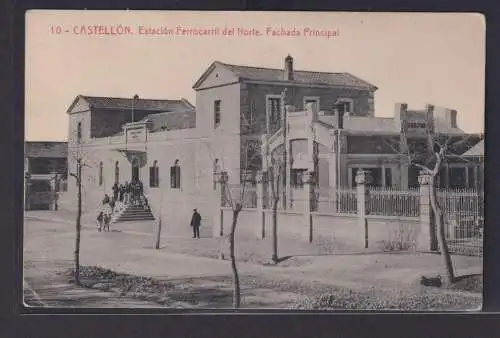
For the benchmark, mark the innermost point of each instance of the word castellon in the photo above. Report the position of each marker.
(177, 150)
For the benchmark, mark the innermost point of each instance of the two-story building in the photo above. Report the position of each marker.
(45, 174)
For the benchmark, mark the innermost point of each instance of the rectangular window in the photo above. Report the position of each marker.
(100, 174)
(217, 113)
(388, 177)
(453, 117)
(175, 177)
(413, 173)
(274, 113)
(79, 132)
(344, 107)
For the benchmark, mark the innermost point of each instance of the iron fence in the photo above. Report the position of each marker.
(463, 213)
(334, 201)
(387, 201)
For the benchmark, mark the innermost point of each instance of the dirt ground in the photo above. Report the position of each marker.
(307, 271)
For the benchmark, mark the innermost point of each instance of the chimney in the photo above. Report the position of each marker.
(400, 118)
(288, 74)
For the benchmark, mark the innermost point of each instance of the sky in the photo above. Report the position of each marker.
(417, 58)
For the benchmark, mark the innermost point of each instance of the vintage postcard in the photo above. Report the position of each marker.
(254, 160)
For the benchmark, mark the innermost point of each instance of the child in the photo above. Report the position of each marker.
(100, 218)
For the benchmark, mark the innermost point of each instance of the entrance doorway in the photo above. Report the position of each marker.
(135, 170)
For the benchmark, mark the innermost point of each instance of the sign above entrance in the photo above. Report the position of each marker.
(136, 134)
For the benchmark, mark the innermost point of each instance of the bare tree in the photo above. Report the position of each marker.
(429, 151)
(235, 199)
(158, 230)
(80, 163)
(275, 181)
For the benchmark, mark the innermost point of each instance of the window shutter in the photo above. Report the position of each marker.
(178, 176)
(157, 176)
(172, 177)
(151, 176)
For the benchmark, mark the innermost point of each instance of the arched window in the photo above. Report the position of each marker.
(100, 173)
(154, 175)
(175, 176)
(117, 172)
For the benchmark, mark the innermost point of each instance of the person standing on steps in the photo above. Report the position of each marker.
(115, 191)
(106, 199)
(195, 223)
(121, 191)
(126, 192)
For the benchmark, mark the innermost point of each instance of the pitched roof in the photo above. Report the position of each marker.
(299, 76)
(172, 120)
(46, 149)
(100, 102)
(476, 151)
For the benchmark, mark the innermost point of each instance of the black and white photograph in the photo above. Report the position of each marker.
(292, 161)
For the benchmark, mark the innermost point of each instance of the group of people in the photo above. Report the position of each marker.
(133, 193)
(128, 193)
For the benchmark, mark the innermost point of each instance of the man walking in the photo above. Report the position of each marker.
(195, 223)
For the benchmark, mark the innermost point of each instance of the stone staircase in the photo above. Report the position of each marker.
(130, 212)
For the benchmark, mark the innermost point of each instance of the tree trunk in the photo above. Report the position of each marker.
(275, 231)
(158, 234)
(236, 279)
(440, 228)
(78, 224)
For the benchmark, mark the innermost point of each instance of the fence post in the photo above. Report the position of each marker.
(260, 202)
(362, 178)
(426, 240)
(309, 184)
(220, 193)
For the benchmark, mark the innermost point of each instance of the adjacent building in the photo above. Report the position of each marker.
(45, 174)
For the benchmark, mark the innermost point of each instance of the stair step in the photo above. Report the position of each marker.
(134, 213)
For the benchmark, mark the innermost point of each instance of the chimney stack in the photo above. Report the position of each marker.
(288, 68)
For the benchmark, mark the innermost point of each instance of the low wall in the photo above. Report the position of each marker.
(343, 231)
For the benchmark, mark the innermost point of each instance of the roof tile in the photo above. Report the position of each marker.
(299, 76)
(140, 104)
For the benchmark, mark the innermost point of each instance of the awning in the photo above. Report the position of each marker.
(134, 156)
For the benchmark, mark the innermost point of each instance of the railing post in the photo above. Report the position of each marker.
(362, 179)
(309, 184)
(260, 178)
(426, 240)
